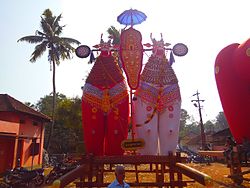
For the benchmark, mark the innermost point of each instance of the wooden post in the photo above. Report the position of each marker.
(171, 169)
(198, 176)
(179, 175)
(162, 173)
(90, 173)
(157, 172)
(13, 165)
(235, 168)
(136, 173)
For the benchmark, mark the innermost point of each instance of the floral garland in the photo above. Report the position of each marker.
(104, 99)
(162, 100)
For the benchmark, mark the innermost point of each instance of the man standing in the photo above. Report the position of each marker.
(120, 176)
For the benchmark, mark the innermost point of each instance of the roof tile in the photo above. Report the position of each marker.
(9, 104)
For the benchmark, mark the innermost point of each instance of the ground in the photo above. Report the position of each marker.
(218, 172)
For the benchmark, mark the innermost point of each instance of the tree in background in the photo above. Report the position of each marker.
(221, 122)
(59, 48)
(44, 104)
(67, 134)
(209, 126)
(69, 116)
(187, 124)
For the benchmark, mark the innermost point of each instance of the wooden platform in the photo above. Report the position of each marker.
(167, 170)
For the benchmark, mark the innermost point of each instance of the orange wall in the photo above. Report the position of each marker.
(9, 127)
(10, 123)
(28, 129)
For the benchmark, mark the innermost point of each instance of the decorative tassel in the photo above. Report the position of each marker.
(149, 118)
(92, 58)
(171, 58)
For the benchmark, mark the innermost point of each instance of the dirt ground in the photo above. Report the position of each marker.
(219, 173)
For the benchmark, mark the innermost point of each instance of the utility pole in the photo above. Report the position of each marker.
(203, 137)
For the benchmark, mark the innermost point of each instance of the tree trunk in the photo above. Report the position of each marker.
(53, 106)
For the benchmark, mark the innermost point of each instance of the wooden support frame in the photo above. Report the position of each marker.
(167, 170)
(159, 166)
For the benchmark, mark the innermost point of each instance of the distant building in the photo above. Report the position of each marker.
(194, 143)
(21, 134)
(219, 139)
(214, 141)
(185, 139)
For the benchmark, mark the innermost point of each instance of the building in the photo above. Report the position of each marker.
(215, 140)
(21, 134)
(219, 139)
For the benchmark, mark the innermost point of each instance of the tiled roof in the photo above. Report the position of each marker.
(194, 140)
(9, 104)
(224, 132)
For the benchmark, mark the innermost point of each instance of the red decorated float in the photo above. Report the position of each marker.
(105, 105)
(232, 73)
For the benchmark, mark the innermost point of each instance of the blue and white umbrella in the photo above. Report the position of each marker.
(131, 17)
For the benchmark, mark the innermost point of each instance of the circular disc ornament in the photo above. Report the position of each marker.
(180, 49)
(82, 51)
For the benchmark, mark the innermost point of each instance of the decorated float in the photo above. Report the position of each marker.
(124, 115)
(232, 66)
(105, 104)
(232, 73)
(155, 100)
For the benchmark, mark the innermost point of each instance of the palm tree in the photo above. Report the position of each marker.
(59, 48)
(114, 34)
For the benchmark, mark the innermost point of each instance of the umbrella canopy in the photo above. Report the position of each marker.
(131, 17)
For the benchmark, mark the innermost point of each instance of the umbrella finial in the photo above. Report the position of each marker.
(131, 17)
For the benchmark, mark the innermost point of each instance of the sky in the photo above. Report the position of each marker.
(206, 27)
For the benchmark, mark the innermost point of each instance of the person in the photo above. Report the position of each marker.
(119, 181)
(228, 153)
